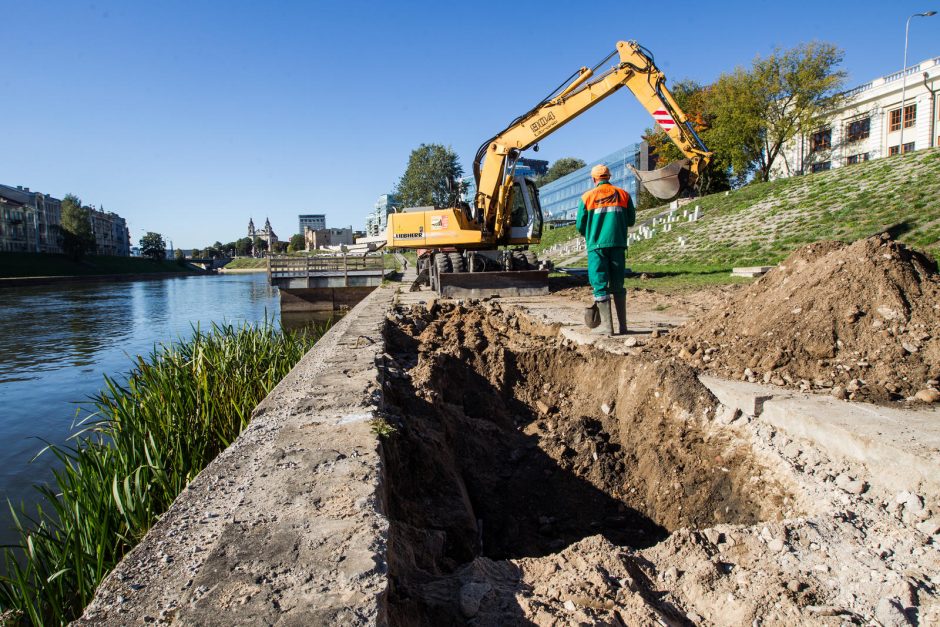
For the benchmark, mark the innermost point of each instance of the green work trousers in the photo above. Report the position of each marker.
(605, 271)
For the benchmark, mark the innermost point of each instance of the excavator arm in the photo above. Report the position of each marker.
(636, 71)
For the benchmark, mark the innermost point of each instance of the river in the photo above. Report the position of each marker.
(58, 341)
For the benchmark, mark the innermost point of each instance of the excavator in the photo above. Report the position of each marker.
(464, 250)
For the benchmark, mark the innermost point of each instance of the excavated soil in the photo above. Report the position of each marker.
(861, 321)
(510, 448)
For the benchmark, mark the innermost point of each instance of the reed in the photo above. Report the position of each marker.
(141, 442)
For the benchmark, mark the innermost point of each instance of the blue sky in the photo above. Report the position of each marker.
(188, 117)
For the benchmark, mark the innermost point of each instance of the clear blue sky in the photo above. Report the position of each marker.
(188, 117)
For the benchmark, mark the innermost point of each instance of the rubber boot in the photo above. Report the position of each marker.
(606, 327)
(620, 303)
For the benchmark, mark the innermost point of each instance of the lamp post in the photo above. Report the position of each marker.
(907, 28)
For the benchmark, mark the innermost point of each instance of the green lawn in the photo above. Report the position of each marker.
(246, 263)
(554, 236)
(38, 264)
(761, 223)
(679, 277)
(676, 277)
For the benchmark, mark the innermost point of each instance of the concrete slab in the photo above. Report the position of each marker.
(749, 398)
(900, 447)
(751, 272)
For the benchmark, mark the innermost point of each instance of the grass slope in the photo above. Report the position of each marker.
(245, 263)
(39, 264)
(763, 222)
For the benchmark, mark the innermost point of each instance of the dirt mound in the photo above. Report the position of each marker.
(510, 445)
(860, 320)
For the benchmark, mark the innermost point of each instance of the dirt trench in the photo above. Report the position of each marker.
(509, 444)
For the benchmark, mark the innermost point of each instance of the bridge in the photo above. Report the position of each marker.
(207, 263)
(325, 282)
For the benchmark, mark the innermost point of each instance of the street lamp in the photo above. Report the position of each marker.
(907, 28)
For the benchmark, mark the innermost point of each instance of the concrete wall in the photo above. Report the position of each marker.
(285, 526)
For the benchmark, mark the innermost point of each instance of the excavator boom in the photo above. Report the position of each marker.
(636, 71)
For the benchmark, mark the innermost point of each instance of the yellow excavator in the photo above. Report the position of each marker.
(459, 247)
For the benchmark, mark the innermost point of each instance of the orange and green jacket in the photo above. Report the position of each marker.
(604, 214)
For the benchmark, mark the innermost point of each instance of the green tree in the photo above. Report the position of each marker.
(561, 167)
(425, 181)
(279, 247)
(260, 245)
(297, 243)
(153, 246)
(757, 112)
(243, 247)
(75, 229)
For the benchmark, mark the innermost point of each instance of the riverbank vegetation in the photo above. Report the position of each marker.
(44, 264)
(140, 444)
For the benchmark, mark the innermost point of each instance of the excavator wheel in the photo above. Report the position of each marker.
(531, 259)
(442, 261)
(519, 261)
(457, 262)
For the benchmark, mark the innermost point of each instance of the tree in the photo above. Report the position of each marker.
(561, 167)
(279, 247)
(180, 257)
(75, 229)
(153, 246)
(425, 181)
(757, 111)
(297, 243)
(260, 245)
(243, 247)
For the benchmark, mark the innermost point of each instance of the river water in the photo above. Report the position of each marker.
(58, 341)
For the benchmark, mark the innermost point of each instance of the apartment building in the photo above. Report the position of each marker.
(871, 125)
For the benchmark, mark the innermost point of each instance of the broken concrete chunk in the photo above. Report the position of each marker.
(850, 485)
(929, 527)
(889, 613)
(928, 395)
(471, 595)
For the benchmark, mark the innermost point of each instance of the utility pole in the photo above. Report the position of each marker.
(907, 28)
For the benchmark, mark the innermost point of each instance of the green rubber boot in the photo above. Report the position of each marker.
(606, 327)
(620, 304)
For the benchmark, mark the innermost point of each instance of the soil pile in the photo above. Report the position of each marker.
(860, 320)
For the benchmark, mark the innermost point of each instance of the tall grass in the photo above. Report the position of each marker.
(143, 441)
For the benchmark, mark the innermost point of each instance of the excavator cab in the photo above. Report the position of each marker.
(525, 216)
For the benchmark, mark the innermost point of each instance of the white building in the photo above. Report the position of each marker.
(868, 126)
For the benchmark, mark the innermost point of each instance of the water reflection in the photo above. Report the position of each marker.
(57, 343)
(304, 321)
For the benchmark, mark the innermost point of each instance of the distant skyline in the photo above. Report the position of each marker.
(187, 118)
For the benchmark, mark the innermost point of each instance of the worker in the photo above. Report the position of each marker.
(604, 213)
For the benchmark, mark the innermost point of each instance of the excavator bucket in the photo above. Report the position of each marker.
(665, 183)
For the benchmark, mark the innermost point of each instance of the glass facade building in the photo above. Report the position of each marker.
(560, 198)
(377, 221)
